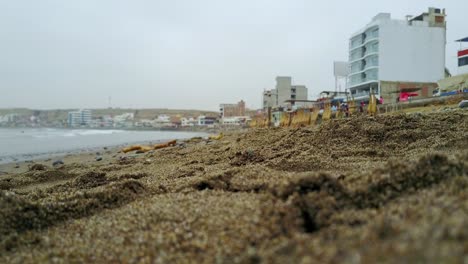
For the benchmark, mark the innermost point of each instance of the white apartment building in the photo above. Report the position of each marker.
(394, 57)
(79, 118)
(284, 92)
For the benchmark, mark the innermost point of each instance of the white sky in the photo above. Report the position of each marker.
(182, 54)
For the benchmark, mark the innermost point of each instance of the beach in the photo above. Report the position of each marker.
(386, 189)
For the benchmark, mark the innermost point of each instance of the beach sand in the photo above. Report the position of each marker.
(359, 190)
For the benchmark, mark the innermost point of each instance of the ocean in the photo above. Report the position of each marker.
(35, 143)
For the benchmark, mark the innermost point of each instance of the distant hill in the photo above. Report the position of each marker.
(61, 114)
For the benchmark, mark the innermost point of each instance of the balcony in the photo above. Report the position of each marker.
(356, 41)
(372, 61)
(372, 48)
(371, 75)
(361, 94)
(357, 54)
(372, 34)
(357, 66)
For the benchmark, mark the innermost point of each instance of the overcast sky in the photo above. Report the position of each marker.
(188, 54)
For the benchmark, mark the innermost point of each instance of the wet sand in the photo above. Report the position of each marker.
(361, 190)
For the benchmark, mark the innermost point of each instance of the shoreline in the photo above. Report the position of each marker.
(20, 162)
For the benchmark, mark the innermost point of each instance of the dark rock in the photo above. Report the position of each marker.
(38, 167)
(99, 158)
(57, 163)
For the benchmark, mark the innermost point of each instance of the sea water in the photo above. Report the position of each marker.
(33, 143)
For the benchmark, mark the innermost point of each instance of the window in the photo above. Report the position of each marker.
(293, 96)
(293, 90)
(439, 19)
(437, 10)
(462, 61)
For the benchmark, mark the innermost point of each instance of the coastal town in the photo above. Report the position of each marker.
(397, 73)
(372, 170)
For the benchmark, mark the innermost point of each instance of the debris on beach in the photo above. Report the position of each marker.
(217, 137)
(143, 149)
(38, 167)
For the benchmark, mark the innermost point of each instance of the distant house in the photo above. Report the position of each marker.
(235, 121)
(124, 120)
(162, 121)
(206, 120)
(188, 122)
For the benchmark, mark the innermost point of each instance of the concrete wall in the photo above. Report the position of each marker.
(463, 69)
(390, 91)
(411, 53)
(454, 83)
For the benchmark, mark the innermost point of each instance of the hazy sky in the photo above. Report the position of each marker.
(182, 53)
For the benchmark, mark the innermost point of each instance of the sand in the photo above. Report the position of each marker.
(389, 189)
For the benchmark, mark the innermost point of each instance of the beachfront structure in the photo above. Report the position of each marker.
(9, 118)
(124, 120)
(235, 121)
(463, 56)
(206, 120)
(284, 93)
(162, 121)
(232, 110)
(396, 58)
(188, 122)
(459, 82)
(79, 118)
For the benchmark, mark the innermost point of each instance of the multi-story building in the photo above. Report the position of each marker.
(79, 118)
(393, 58)
(284, 93)
(232, 110)
(463, 57)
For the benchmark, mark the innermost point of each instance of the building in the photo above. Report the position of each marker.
(396, 58)
(206, 120)
(455, 84)
(162, 121)
(79, 118)
(124, 120)
(270, 99)
(235, 121)
(463, 57)
(102, 121)
(232, 110)
(330, 95)
(188, 122)
(284, 93)
(9, 118)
